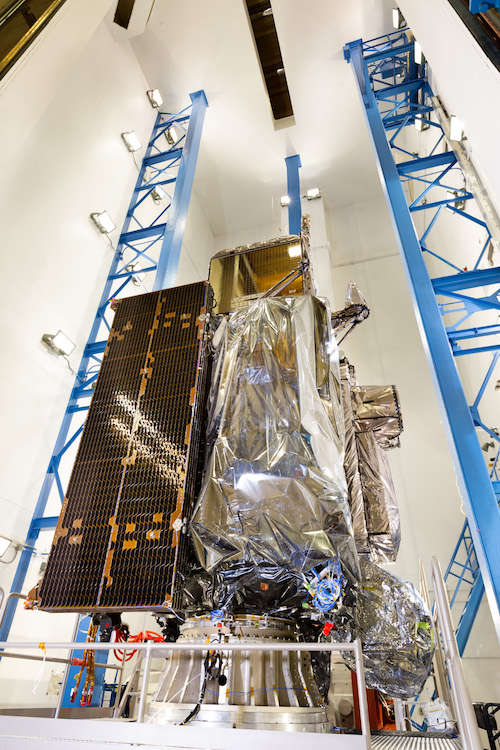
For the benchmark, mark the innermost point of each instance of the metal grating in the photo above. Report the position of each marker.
(414, 741)
(118, 543)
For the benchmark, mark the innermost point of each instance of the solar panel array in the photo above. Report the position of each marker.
(120, 541)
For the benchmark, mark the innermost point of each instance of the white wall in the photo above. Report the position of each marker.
(69, 161)
(467, 80)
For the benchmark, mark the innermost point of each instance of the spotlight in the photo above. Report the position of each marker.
(131, 140)
(59, 343)
(4, 545)
(173, 134)
(422, 122)
(154, 97)
(103, 222)
(418, 54)
(458, 203)
(138, 277)
(285, 200)
(158, 193)
(313, 193)
(456, 129)
(398, 20)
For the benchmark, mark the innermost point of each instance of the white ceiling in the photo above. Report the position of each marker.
(241, 171)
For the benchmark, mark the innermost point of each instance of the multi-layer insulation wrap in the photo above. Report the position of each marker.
(377, 409)
(274, 489)
(372, 417)
(395, 629)
(351, 466)
(381, 508)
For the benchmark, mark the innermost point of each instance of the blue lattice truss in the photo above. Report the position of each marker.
(150, 243)
(396, 95)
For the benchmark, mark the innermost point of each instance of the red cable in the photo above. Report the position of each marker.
(149, 635)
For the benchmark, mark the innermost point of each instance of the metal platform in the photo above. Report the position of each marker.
(415, 741)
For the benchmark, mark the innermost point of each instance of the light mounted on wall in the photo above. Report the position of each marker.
(452, 197)
(398, 20)
(58, 343)
(456, 129)
(5, 545)
(154, 97)
(418, 54)
(131, 140)
(139, 274)
(313, 194)
(158, 193)
(173, 135)
(422, 122)
(285, 201)
(103, 222)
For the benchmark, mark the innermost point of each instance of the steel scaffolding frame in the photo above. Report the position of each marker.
(396, 94)
(150, 243)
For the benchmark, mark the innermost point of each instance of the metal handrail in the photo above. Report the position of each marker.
(6, 600)
(154, 649)
(466, 718)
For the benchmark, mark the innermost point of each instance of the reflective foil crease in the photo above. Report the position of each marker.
(274, 488)
(351, 466)
(377, 408)
(395, 629)
(373, 423)
(381, 508)
(354, 312)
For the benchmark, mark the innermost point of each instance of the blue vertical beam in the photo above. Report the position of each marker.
(176, 222)
(473, 478)
(293, 191)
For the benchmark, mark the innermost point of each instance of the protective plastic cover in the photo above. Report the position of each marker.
(351, 465)
(274, 487)
(377, 408)
(395, 628)
(381, 508)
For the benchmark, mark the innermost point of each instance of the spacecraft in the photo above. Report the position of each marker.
(232, 478)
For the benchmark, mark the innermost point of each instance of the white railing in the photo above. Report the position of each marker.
(465, 716)
(161, 649)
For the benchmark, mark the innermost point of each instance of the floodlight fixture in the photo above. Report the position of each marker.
(173, 135)
(456, 129)
(422, 122)
(4, 545)
(158, 193)
(59, 343)
(103, 222)
(418, 54)
(131, 140)
(139, 274)
(155, 98)
(313, 194)
(453, 197)
(398, 20)
(295, 251)
(285, 200)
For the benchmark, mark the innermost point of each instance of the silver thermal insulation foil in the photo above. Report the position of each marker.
(377, 408)
(274, 488)
(395, 629)
(382, 514)
(351, 466)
